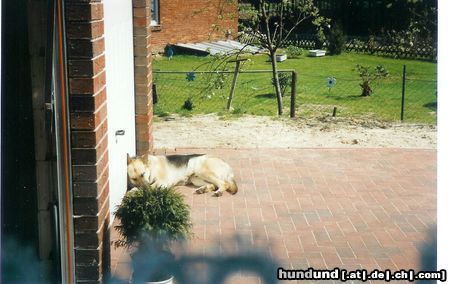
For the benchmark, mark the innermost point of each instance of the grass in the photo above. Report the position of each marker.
(255, 93)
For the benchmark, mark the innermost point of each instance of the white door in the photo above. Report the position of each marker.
(120, 93)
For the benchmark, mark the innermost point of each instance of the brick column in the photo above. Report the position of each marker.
(88, 109)
(142, 75)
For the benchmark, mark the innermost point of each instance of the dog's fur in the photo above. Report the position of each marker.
(207, 173)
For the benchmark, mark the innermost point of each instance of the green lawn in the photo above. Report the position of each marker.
(255, 93)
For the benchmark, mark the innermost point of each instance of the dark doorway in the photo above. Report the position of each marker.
(29, 226)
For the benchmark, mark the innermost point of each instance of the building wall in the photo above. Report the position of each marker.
(89, 141)
(89, 125)
(142, 76)
(194, 21)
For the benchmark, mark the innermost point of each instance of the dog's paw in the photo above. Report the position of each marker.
(200, 190)
(133, 189)
(217, 193)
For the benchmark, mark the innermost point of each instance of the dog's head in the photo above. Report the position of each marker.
(138, 170)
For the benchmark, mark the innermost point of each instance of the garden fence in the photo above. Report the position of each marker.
(316, 96)
(209, 92)
(319, 97)
(370, 45)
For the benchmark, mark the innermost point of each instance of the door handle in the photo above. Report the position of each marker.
(120, 132)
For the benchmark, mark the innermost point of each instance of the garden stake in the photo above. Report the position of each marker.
(293, 93)
(403, 93)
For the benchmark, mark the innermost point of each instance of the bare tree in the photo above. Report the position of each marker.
(273, 21)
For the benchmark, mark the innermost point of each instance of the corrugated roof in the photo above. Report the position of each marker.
(220, 47)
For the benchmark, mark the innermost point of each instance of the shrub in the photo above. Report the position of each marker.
(151, 218)
(188, 104)
(412, 40)
(336, 40)
(319, 39)
(293, 51)
(285, 81)
(152, 213)
(368, 77)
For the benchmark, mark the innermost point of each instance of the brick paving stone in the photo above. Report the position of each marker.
(321, 208)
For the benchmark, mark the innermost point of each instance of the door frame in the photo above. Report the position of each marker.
(1, 132)
(64, 161)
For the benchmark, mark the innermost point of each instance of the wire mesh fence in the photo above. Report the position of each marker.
(209, 92)
(420, 101)
(316, 96)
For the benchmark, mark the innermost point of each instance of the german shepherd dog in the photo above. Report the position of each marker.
(207, 173)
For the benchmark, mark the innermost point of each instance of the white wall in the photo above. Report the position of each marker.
(120, 93)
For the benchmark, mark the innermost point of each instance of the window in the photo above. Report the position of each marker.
(155, 12)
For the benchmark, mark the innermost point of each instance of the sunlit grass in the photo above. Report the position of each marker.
(255, 94)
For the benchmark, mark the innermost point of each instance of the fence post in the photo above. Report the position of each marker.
(293, 93)
(403, 93)
(233, 85)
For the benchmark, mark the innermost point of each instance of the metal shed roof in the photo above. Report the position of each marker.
(220, 47)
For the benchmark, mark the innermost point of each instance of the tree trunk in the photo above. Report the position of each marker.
(277, 82)
(366, 89)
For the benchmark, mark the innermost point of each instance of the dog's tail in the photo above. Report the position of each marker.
(232, 186)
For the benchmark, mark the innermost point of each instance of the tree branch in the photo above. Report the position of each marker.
(266, 21)
(297, 23)
(281, 25)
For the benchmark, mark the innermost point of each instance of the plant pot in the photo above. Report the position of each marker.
(317, 52)
(153, 266)
(280, 57)
(143, 277)
(167, 281)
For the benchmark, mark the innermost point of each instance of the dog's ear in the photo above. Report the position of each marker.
(128, 159)
(145, 158)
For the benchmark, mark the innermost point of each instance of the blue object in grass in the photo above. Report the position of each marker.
(331, 82)
(190, 76)
(169, 52)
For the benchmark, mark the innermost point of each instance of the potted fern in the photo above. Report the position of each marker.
(151, 219)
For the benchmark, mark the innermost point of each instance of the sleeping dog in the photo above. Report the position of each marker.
(205, 172)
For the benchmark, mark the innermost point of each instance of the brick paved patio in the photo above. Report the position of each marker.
(321, 208)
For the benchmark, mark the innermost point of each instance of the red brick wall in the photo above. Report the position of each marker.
(142, 76)
(193, 21)
(88, 124)
(89, 141)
